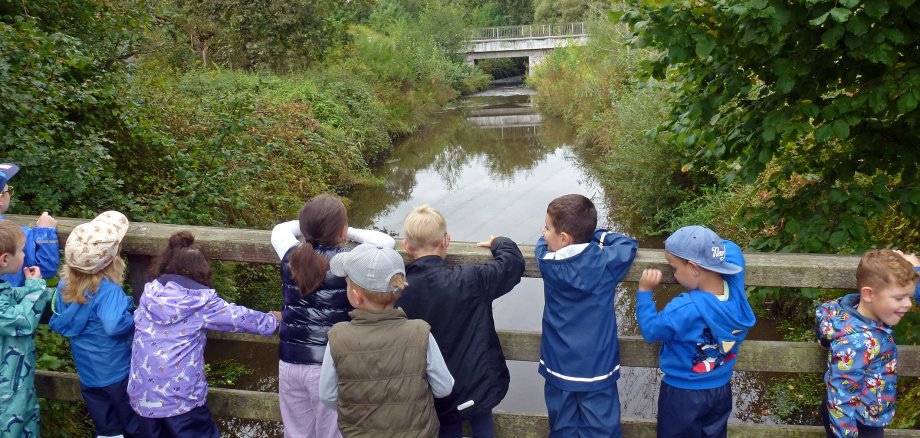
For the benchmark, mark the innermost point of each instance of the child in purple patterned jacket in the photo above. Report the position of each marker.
(167, 385)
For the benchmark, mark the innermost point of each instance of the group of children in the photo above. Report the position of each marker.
(371, 347)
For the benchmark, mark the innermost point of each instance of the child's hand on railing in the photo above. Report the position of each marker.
(912, 258)
(487, 243)
(651, 278)
(32, 272)
(276, 314)
(45, 220)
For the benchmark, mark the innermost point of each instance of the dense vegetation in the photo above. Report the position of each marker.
(787, 126)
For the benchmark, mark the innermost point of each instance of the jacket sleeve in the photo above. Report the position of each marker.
(20, 318)
(439, 377)
(329, 381)
(499, 276)
(284, 236)
(42, 250)
(823, 325)
(846, 384)
(620, 251)
(115, 310)
(373, 237)
(222, 316)
(540, 249)
(653, 325)
(917, 291)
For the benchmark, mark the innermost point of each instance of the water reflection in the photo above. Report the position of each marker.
(491, 165)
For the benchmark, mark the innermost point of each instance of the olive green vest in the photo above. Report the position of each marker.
(381, 360)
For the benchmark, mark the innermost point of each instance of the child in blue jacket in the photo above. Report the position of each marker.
(41, 248)
(862, 374)
(700, 331)
(579, 354)
(91, 309)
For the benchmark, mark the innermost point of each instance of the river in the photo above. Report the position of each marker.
(491, 164)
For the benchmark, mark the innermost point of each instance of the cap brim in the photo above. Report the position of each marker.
(8, 171)
(337, 264)
(724, 268)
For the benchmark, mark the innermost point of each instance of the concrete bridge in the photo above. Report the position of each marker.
(532, 41)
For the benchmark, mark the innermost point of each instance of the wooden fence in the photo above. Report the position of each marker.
(145, 240)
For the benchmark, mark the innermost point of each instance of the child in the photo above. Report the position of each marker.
(167, 386)
(579, 355)
(41, 242)
(862, 362)
(314, 300)
(457, 303)
(700, 331)
(381, 369)
(22, 307)
(92, 310)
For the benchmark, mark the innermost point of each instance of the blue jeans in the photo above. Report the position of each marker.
(481, 426)
(694, 413)
(583, 414)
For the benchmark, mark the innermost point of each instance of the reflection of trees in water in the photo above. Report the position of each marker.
(448, 147)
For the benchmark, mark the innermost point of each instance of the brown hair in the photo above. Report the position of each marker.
(574, 215)
(883, 267)
(397, 286)
(77, 283)
(184, 257)
(11, 237)
(321, 222)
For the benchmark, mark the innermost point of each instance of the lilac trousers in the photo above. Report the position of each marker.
(303, 413)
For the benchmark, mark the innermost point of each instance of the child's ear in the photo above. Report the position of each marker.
(446, 240)
(866, 294)
(405, 245)
(4, 259)
(565, 238)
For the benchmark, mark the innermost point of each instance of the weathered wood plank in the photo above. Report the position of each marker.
(246, 245)
(763, 356)
(257, 405)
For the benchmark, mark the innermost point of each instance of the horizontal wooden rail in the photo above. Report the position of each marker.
(760, 356)
(256, 405)
(253, 246)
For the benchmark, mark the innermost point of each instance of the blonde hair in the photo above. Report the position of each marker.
(425, 227)
(397, 286)
(77, 284)
(881, 268)
(11, 237)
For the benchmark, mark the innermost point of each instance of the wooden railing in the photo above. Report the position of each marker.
(145, 240)
(528, 31)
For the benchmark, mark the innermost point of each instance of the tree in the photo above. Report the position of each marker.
(567, 11)
(813, 101)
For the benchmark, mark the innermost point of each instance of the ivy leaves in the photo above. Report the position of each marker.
(800, 97)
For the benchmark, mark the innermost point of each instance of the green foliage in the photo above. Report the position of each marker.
(225, 372)
(59, 418)
(817, 100)
(487, 13)
(796, 400)
(567, 11)
(908, 414)
(281, 35)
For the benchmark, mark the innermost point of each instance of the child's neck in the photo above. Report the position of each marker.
(866, 311)
(419, 253)
(712, 284)
(374, 307)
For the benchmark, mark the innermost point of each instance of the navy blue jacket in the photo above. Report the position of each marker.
(41, 250)
(306, 320)
(579, 350)
(457, 303)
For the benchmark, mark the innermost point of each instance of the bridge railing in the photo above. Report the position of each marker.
(145, 240)
(528, 31)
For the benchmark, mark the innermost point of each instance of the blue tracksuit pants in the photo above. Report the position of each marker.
(197, 423)
(591, 414)
(694, 413)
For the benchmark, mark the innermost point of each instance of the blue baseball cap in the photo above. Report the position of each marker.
(7, 170)
(702, 246)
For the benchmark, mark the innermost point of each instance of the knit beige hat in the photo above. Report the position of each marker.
(93, 245)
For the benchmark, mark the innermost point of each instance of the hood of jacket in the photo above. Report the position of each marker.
(729, 320)
(846, 304)
(172, 298)
(70, 319)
